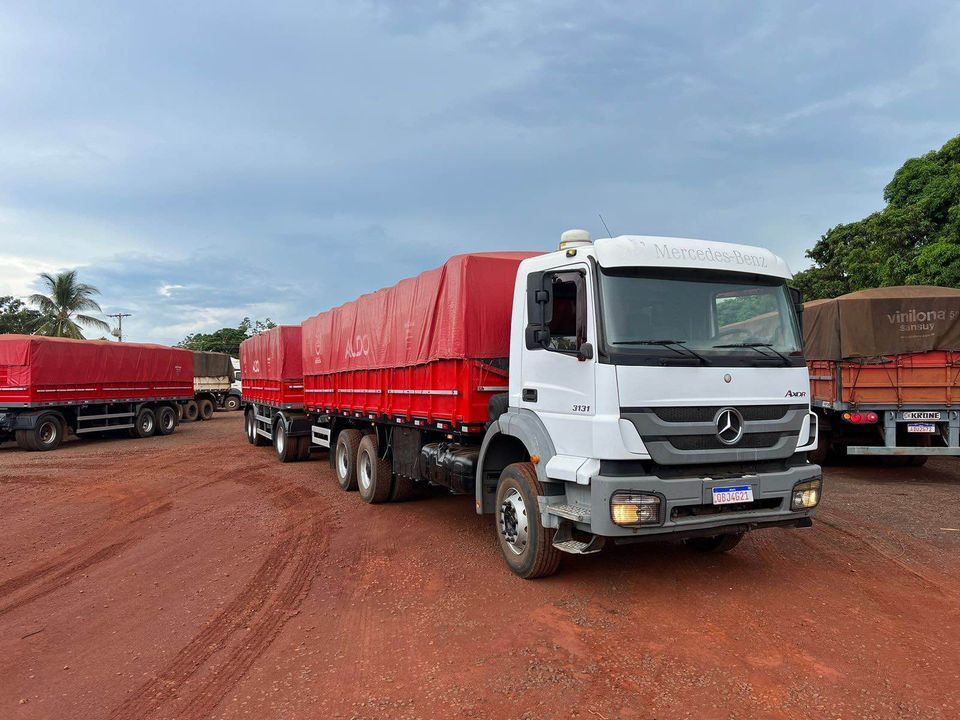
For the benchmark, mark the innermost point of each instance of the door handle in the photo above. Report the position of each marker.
(529, 395)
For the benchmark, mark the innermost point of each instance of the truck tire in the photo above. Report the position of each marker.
(402, 488)
(715, 543)
(288, 448)
(248, 425)
(205, 408)
(47, 434)
(179, 412)
(145, 424)
(231, 402)
(526, 545)
(303, 449)
(374, 475)
(166, 420)
(345, 464)
(256, 438)
(191, 411)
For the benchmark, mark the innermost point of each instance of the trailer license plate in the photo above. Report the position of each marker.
(921, 415)
(921, 427)
(730, 495)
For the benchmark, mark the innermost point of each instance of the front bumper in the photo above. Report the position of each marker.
(687, 507)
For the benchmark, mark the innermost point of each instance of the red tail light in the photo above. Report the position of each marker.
(861, 418)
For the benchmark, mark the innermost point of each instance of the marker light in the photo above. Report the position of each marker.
(630, 508)
(805, 495)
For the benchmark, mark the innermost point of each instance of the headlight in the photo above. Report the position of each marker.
(805, 495)
(631, 508)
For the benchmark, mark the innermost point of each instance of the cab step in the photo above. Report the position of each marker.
(579, 547)
(577, 513)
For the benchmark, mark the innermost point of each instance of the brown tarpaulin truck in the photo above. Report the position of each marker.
(885, 372)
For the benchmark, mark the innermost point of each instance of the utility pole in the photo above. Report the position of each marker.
(119, 317)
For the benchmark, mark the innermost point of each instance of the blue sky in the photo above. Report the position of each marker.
(204, 161)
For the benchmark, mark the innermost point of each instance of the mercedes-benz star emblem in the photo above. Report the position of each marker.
(729, 424)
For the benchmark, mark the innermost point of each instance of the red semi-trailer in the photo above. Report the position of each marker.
(272, 371)
(49, 386)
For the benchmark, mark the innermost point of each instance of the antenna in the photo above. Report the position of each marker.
(609, 234)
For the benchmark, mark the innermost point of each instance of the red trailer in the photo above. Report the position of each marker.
(51, 385)
(413, 368)
(271, 368)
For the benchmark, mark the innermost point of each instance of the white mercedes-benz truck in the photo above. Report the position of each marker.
(657, 391)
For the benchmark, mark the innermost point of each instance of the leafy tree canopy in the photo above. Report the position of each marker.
(64, 306)
(226, 340)
(914, 240)
(17, 318)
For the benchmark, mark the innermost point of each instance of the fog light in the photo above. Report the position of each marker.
(805, 495)
(630, 508)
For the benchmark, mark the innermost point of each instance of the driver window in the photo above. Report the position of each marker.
(568, 301)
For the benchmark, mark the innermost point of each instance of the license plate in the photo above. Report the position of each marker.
(921, 415)
(730, 495)
(921, 427)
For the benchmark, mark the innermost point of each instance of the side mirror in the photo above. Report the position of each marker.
(585, 353)
(797, 297)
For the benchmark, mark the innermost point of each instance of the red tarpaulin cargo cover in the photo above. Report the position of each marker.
(271, 367)
(415, 350)
(36, 370)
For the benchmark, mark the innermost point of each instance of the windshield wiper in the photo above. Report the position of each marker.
(670, 345)
(756, 346)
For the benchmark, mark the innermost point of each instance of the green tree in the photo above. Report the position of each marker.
(226, 340)
(16, 317)
(64, 306)
(914, 240)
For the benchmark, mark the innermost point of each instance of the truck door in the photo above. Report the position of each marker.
(558, 367)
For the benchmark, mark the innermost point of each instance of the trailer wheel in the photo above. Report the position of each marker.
(205, 408)
(231, 402)
(191, 411)
(288, 448)
(145, 425)
(47, 434)
(402, 488)
(715, 543)
(179, 412)
(248, 426)
(303, 450)
(374, 475)
(166, 420)
(345, 463)
(526, 545)
(255, 437)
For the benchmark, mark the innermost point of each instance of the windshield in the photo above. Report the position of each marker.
(720, 318)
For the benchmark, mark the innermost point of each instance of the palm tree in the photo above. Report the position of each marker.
(63, 304)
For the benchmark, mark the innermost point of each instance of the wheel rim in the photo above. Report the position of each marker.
(166, 421)
(342, 462)
(365, 474)
(514, 526)
(47, 432)
(281, 439)
(146, 424)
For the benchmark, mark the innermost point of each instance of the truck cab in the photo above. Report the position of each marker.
(657, 390)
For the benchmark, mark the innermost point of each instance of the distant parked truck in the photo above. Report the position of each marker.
(52, 386)
(213, 385)
(271, 367)
(885, 372)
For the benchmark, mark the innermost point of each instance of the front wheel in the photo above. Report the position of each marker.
(715, 543)
(231, 402)
(526, 545)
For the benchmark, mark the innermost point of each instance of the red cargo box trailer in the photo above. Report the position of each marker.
(429, 351)
(271, 368)
(885, 372)
(51, 385)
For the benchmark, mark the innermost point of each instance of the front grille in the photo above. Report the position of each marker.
(707, 414)
(712, 442)
(698, 510)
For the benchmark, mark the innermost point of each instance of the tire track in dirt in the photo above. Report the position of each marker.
(247, 626)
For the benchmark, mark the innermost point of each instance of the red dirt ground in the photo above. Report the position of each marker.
(195, 576)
